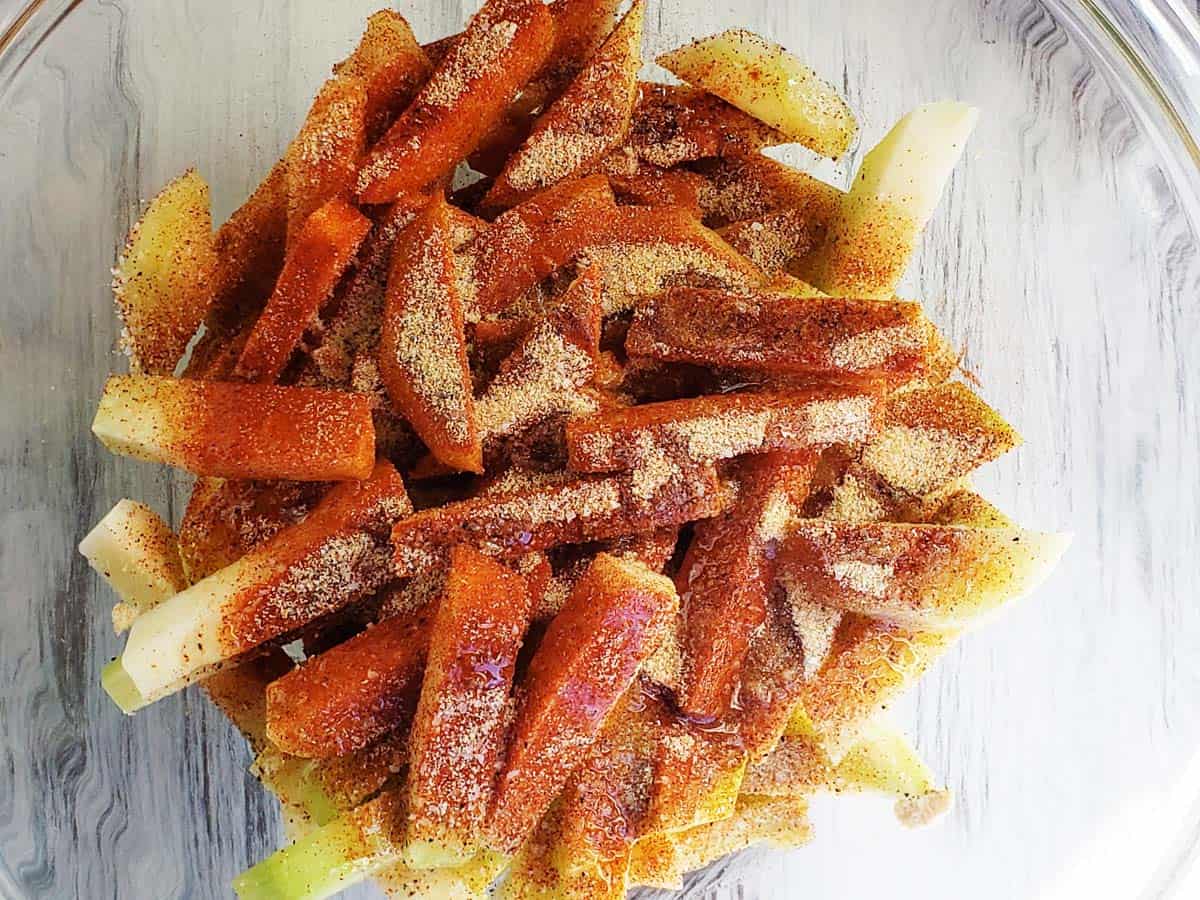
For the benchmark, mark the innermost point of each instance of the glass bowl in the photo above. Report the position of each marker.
(1064, 261)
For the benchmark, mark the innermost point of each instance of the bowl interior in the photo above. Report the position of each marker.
(1061, 261)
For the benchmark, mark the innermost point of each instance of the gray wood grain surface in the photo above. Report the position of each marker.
(1060, 261)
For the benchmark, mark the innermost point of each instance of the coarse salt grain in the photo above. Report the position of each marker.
(546, 381)
(864, 577)
(425, 348)
(874, 348)
(711, 438)
(469, 60)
